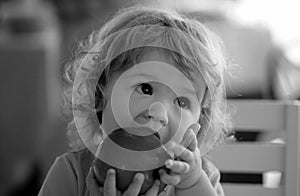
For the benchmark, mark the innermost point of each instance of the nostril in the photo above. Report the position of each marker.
(163, 122)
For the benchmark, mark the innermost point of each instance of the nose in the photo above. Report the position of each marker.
(158, 112)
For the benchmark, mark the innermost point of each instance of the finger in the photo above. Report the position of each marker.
(190, 140)
(119, 193)
(190, 137)
(109, 188)
(179, 167)
(202, 132)
(92, 183)
(187, 136)
(135, 187)
(170, 179)
(196, 128)
(153, 191)
(180, 152)
(194, 143)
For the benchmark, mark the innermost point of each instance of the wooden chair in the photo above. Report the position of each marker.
(263, 156)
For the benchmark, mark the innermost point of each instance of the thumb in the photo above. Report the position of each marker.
(188, 136)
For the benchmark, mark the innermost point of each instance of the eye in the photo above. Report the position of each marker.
(145, 88)
(183, 102)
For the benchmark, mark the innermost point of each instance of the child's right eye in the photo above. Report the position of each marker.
(145, 88)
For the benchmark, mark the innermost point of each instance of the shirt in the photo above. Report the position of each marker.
(70, 175)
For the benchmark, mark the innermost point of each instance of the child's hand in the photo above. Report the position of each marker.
(109, 188)
(185, 170)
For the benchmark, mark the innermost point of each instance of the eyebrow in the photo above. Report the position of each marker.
(141, 74)
(190, 91)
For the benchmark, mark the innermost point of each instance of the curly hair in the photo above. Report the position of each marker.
(199, 54)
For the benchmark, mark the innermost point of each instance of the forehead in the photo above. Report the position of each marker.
(156, 55)
(158, 65)
(152, 61)
(177, 61)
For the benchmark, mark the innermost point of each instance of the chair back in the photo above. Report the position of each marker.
(271, 117)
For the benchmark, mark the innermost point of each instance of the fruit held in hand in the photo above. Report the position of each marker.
(129, 151)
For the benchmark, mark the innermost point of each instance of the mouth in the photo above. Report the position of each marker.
(155, 133)
(150, 125)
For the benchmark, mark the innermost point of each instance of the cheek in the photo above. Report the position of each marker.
(138, 104)
(180, 125)
(117, 110)
(187, 121)
(190, 117)
(108, 121)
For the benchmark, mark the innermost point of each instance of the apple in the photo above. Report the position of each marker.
(129, 151)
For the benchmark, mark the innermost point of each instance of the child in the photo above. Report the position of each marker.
(145, 67)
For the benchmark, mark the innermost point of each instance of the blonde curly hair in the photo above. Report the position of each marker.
(199, 54)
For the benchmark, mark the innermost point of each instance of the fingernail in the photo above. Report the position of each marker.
(160, 171)
(139, 176)
(169, 163)
(111, 172)
(157, 182)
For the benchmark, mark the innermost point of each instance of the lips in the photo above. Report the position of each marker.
(151, 125)
(155, 125)
(156, 134)
(152, 131)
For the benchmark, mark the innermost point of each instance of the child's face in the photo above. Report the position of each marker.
(152, 94)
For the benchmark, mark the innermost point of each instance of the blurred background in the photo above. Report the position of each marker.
(262, 40)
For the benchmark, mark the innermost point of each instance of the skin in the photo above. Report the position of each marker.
(183, 107)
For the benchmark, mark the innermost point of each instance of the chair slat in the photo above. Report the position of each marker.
(292, 176)
(277, 117)
(251, 190)
(263, 115)
(258, 157)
